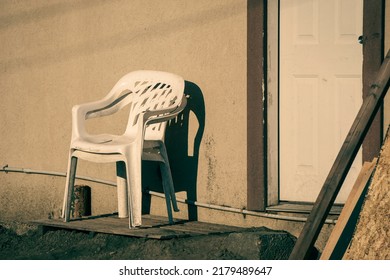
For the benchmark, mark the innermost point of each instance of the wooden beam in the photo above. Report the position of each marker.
(256, 140)
(373, 50)
(342, 163)
(342, 232)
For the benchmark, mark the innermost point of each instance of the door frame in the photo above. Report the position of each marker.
(373, 42)
(273, 103)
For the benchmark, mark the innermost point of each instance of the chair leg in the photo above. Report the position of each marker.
(66, 189)
(166, 173)
(123, 210)
(134, 189)
(70, 179)
(167, 191)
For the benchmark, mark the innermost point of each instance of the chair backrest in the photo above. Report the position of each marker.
(146, 90)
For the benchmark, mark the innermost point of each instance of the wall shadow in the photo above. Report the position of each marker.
(182, 139)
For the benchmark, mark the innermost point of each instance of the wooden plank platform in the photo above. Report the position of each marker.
(153, 227)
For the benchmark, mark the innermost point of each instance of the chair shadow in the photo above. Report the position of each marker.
(182, 138)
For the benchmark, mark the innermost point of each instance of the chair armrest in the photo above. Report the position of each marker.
(155, 116)
(107, 106)
(99, 108)
(82, 112)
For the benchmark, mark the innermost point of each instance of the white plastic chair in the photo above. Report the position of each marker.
(154, 97)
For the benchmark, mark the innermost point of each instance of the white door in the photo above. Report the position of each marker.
(320, 91)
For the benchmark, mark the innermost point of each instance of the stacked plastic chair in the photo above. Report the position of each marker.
(154, 98)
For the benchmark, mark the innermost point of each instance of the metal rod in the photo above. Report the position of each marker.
(184, 201)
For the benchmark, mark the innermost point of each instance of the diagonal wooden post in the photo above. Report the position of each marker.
(342, 164)
(341, 236)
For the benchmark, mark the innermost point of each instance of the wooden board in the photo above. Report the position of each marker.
(153, 227)
(342, 233)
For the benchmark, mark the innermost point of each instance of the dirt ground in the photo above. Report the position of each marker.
(26, 242)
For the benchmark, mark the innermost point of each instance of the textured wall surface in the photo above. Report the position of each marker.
(371, 240)
(55, 54)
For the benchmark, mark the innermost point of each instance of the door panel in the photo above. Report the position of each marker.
(320, 91)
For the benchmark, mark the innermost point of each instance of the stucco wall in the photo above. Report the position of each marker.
(55, 54)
